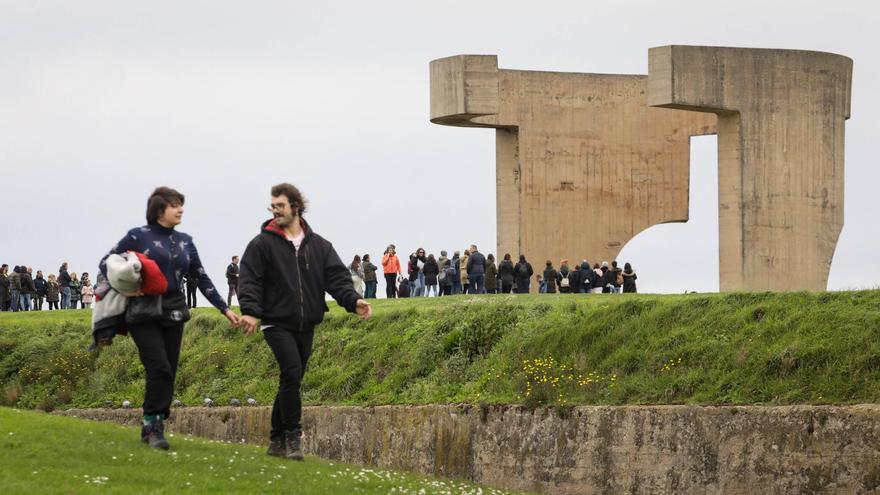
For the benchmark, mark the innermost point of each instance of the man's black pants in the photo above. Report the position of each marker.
(159, 349)
(292, 351)
(191, 297)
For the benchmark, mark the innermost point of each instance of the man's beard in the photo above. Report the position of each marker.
(284, 220)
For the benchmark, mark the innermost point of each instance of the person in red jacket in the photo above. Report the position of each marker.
(391, 268)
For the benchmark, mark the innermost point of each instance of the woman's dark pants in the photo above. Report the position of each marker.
(159, 349)
(390, 285)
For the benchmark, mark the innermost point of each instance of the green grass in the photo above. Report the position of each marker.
(741, 348)
(51, 454)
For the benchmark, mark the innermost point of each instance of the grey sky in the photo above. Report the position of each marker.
(101, 101)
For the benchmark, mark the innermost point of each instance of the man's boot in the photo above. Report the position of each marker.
(276, 447)
(293, 445)
(153, 433)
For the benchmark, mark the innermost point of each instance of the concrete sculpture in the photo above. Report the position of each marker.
(583, 163)
(781, 124)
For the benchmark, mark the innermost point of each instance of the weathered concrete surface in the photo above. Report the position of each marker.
(657, 449)
(583, 164)
(781, 118)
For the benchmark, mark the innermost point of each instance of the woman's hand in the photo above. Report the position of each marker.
(232, 317)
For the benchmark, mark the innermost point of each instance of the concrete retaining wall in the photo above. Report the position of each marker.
(583, 450)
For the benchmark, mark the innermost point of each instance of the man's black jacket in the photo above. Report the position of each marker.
(285, 288)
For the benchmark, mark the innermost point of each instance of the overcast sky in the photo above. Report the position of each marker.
(101, 101)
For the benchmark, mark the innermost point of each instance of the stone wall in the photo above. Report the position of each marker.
(582, 450)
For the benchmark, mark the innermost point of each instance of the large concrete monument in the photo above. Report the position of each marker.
(781, 120)
(584, 163)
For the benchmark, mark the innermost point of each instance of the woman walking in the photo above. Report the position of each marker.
(629, 278)
(158, 337)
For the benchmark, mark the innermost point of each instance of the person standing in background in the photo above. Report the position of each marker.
(232, 272)
(505, 272)
(53, 292)
(4, 287)
(463, 270)
(87, 292)
(357, 275)
(40, 286)
(491, 275)
(370, 281)
(64, 282)
(192, 288)
(75, 295)
(27, 288)
(391, 270)
(629, 279)
(15, 289)
(550, 277)
(456, 280)
(431, 271)
(476, 268)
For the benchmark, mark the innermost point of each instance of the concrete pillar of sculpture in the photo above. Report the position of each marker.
(583, 163)
(781, 120)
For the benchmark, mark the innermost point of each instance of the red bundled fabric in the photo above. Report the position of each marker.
(153, 282)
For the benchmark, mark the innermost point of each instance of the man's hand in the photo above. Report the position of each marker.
(249, 324)
(233, 318)
(363, 309)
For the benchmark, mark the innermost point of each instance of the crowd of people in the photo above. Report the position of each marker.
(474, 273)
(426, 275)
(21, 290)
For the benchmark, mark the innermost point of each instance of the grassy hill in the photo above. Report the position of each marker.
(51, 454)
(764, 348)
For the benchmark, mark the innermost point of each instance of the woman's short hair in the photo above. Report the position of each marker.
(296, 199)
(162, 198)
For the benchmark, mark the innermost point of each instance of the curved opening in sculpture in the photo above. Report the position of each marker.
(678, 257)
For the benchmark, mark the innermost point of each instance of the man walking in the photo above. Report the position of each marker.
(232, 273)
(285, 271)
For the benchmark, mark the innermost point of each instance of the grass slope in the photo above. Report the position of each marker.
(742, 348)
(50, 454)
